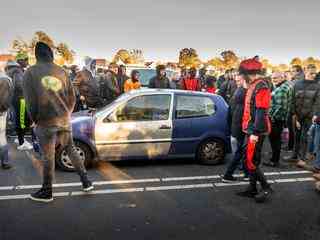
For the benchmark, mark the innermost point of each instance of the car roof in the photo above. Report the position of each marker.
(175, 91)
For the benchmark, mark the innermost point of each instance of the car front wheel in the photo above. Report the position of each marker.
(211, 152)
(63, 160)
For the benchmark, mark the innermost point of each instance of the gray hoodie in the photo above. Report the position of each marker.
(15, 72)
(48, 91)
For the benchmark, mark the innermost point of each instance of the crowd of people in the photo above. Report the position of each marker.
(42, 97)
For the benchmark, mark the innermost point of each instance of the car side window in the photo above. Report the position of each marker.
(145, 108)
(194, 106)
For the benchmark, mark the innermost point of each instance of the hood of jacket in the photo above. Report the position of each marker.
(87, 65)
(43, 53)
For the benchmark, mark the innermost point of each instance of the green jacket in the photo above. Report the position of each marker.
(281, 102)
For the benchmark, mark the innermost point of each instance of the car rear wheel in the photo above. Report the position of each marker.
(211, 152)
(63, 160)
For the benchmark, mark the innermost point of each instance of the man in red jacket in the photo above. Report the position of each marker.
(191, 83)
(256, 125)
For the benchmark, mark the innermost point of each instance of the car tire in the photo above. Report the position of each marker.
(211, 152)
(64, 163)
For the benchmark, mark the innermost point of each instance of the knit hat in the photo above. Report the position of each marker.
(21, 56)
(43, 52)
(250, 66)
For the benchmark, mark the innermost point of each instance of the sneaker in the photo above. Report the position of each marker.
(87, 186)
(229, 179)
(16, 141)
(246, 179)
(301, 164)
(43, 195)
(292, 158)
(25, 146)
(264, 195)
(6, 166)
(316, 176)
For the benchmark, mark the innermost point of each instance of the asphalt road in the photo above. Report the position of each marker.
(155, 200)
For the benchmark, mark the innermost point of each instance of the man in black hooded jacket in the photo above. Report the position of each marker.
(160, 81)
(50, 100)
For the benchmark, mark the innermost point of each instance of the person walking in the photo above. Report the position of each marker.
(237, 108)
(50, 100)
(6, 92)
(279, 113)
(256, 125)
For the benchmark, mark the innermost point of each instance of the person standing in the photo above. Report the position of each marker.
(15, 71)
(256, 126)
(191, 83)
(279, 113)
(6, 92)
(50, 101)
(160, 80)
(133, 83)
(87, 84)
(122, 78)
(229, 86)
(108, 87)
(305, 108)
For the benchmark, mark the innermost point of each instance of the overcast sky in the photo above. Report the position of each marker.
(278, 29)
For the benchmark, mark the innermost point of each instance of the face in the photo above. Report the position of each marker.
(162, 72)
(289, 76)
(23, 62)
(311, 73)
(108, 75)
(93, 65)
(277, 78)
(136, 76)
(123, 70)
(239, 80)
(294, 72)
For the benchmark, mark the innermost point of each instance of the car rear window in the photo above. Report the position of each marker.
(194, 106)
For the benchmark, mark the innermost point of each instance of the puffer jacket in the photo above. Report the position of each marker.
(306, 99)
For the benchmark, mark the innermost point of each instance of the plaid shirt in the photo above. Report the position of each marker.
(281, 102)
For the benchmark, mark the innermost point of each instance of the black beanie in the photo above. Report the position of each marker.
(43, 52)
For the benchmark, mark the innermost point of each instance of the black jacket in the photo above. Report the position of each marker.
(16, 74)
(306, 99)
(236, 108)
(156, 82)
(227, 90)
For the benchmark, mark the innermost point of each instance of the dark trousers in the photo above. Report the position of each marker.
(22, 120)
(291, 134)
(49, 139)
(275, 140)
(253, 160)
(238, 157)
(301, 139)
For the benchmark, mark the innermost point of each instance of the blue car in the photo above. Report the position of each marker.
(153, 124)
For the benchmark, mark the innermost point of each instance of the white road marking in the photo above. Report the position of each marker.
(190, 178)
(108, 191)
(149, 189)
(293, 172)
(193, 186)
(127, 181)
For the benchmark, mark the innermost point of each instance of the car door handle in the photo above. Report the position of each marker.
(165, 127)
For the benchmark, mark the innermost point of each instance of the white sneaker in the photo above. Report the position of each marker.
(25, 146)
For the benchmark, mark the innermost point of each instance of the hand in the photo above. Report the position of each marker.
(298, 125)
(82, 98)
(254, 138)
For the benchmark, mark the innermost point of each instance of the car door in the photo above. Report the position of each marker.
(139, 128)
(192, 119)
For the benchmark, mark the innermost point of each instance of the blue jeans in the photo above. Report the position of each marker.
(238, 158)
(314, 144)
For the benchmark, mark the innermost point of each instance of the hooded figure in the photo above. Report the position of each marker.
(160, 81)
(50, 99)
(87, 84)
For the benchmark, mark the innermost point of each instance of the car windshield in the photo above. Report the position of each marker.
(147, 74)
(117, 100)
